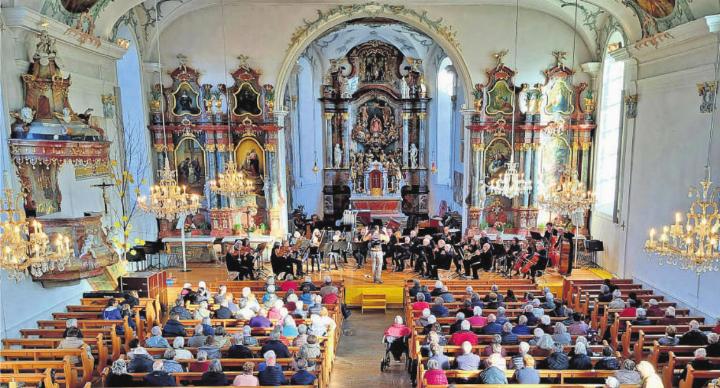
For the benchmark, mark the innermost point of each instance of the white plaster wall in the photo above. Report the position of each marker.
(668, 156)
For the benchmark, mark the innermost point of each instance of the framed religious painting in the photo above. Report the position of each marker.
(500, 99)
(555, 159)
(190, 164)
(559, 98)
(497, 154)
(250, 159)
(247, 101)
(185, 100)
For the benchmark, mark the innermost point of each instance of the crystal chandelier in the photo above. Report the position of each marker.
(26, 249)
(167, 199)
(511, 183)
(567, 197)
(232, 183)
(694, 245)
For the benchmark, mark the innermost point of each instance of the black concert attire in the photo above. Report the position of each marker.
(541, 263)
(314, 256)
(247, 264)
(486, 260)
(401, 252)
(499, 253)
(473, 252)
(232, 261)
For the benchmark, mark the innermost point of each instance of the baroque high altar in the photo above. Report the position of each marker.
(207, 126)
(553, 126)
(375, 133)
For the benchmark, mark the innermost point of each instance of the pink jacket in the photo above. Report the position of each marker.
(477, 321)
(436, 377)
(397, 330)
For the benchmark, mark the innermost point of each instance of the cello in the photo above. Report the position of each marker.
(564, 256)
(530, 263)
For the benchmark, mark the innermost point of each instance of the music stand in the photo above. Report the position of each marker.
(594, 246)
(536, 236)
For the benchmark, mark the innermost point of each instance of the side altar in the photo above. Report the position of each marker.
(208, 127)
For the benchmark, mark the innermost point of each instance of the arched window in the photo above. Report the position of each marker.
(608, 134)
(446, 86)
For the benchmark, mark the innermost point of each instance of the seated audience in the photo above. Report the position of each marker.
(180, 352)
(612, 382)
(438, 355)
(238, 348)
(214, 376)
(641, 318)
(544, 346)
(525, 372)
(158, 377)
(557, 360)
(156, 340)
(328, 287)
(202, 311)
(173, 327)
(578, 326)
(630, 311)
(272, 375)
(438, 309)
(434, 375)
(289, 328)
(628, 374)
(311, 349)
(605, 294)
(477, 319)
(170, 364)
(211, 348)
(248, 339)
(522, 328)
(492, 327)
(617, 302)
(561, 335)
(608, 360)
(260, 320)
(246, 378)
(180, 310)
(74, 341)
(699, 362)
(580, 360)
(301, 338)
(693, 336)
(274, 344)
(713, 347)
(446, 295)
(494, 373)
(654, 309)
(546, 325)
(118, 376)
(420, 304)
(140, 361)
(464, 335)
(455, 326)
(670, 338)
(669, 318)
(509, 337)
(500, 317)
(198, 338)
(302, 376)
(495, 346)
(223, 312)
(468, 360)
(201, 364)
(112, 312)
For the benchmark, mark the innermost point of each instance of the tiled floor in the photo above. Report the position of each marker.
(358, 357)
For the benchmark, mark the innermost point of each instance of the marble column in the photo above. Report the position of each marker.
(279, 214)
(467, 165)
(328, 148)
(346, 131)
(423, 136)
(405, 138)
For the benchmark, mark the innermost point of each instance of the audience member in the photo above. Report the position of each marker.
(214, 375)
(494, 373)
(693, 336)
(608, 360)
(492, 327)
(654, 309)
(260, 320)
(713, 347)
(438, 309)
(302, 376)
(112, 312)
(435, 375)
(522, 328)
(509, 337)
(272, 375)
(670, 338)
(73, 341)
(650, 379)
(238, 348)
(464, 335)
(201, 364)
(438, 355)
(525, 372)
(156, 340)
(158, 377)
(580, 360)
(628, 374)
(468, 360)
(420, 304)
(173, 327)
(641, 318)
(578, 326)
(274, 344)
(557, 360)
(246, 378)
(118, 376)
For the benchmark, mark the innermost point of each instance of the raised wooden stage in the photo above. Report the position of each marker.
(358, 281)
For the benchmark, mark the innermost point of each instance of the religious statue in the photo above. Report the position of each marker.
(87, 251)
(422, 92)
(523, 98)
(343, 85)
(413, 156)
(404, 88)
(184, 103)
(534, 100)
(338, 155)
(26, 115)
(66, 116)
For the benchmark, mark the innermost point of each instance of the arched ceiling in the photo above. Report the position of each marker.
(591, 14)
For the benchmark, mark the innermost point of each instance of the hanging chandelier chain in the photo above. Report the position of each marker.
(513, 102)
(227, 90)
(160, 78)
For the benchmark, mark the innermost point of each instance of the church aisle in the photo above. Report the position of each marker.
(357, 362)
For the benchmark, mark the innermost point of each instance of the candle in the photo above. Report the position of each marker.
(678, 218)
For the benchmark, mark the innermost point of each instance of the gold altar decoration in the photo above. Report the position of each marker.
(694, 245)
(232, 183)
(26, 249)
(567, 197)
(167, 199)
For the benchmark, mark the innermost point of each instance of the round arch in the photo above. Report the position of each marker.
(299, 45)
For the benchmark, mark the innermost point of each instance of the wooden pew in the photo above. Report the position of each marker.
(631, 329)
(64, 372)
(676, 364)
(693, 374)
(128, 332)
(97, 344)
(44, 379)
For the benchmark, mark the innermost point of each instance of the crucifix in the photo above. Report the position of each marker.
(103, 186)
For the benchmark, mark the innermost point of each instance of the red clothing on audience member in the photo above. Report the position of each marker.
(463, 335)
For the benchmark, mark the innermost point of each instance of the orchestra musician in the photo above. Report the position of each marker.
(239, 260)
(542, 259)
(471, 253)
(401, 252)
(550, 231)
(314, 253)
(499, 252)
(282, 259)
(512, 252)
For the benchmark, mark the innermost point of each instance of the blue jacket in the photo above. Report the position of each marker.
(521, 330)
(208, 330)
(510, 339)
(140, 364)
(281, 351)
(172, 366)
(492, 328)
(182, 312)
(173, 328)
(493, 375)
(223, 313)
(156, 342)
(272, 376)
(527, 376)
(112, 313)
(439, 311)
(302, 377)
(159, 379)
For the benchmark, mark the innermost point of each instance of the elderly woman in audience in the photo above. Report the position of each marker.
(537, 334)
(158, 377)
(173, 327)
(467, 360)
(423, 319)
(118, 376)
(276, 345)
(275, 311)
(546, 324)
(580, 359)
(325, 322)
(250, 299)
(557, 360)
(544, 346)
(246, 378)
(509, 337)
(628, 374)
(214, 376)
(316, 306)
(605, 294)
(438, 309)
(561, 335)
(494, 373)
(537, 308)
(669, 318)
(202, 311)
(198, 338)
(476, 300)
(208, 329)
(549, 302)
(630, 310)
(69, 324)
(211, 348)
(477, 319)
(260, 320)
(272, 375)
(500, 317)
(244, 311)
(156, 340)
(397, 330)
(302, 376)
(670, 338)
(223, 312)
(420, 304)
(140, 360)
(608, 360)
(238, 348)
(301, 338)
(73, 341)
(617, 302)
(437, 354)
(435, 375)
(650, 379)
(180, 352)
(170, 364)
(221, 337)
(248, 339)
(525, 372)
(311, 349)
(522, 328)
(202, 293)
(289, 328)
(180, 310)
(654, 309)
(578, 325)
(699, 362)
(201, 364)
(221, 294)
(464, 335)
(713, 347)
(492, 327)
(455, 326)
(269, 298)
(641, 318)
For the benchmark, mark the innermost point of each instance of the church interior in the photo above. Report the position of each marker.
(340, 193)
